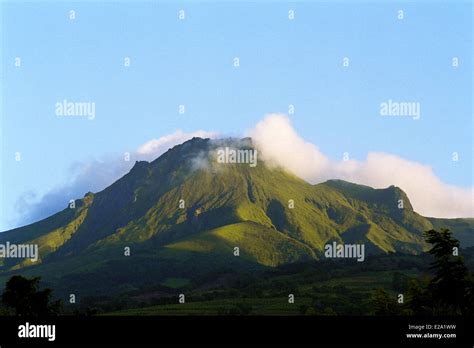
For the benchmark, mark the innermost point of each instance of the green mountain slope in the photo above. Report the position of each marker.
(184, 213)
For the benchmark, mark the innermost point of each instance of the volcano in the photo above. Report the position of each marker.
(186, 213)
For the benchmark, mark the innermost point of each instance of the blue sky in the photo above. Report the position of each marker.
(190, 62)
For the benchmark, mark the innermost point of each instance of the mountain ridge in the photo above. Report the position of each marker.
(183, 207)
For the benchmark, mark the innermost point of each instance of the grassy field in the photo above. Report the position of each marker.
(348, 293)
(176, 283)
(256, 306)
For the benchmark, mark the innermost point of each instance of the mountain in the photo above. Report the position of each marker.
(183, 214)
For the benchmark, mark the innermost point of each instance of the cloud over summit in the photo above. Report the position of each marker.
(280, 145)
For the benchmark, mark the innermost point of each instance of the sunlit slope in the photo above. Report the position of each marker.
(185, 205)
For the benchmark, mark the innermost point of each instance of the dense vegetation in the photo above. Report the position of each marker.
(434, 283)
(182, 215)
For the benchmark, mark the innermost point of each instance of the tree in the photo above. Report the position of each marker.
(419, 301)
(25, 298)
(383, 304)
(400, 281)
(451, 285)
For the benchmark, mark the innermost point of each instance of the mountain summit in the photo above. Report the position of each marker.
(188, 210)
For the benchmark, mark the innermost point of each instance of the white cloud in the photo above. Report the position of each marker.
(280, 145)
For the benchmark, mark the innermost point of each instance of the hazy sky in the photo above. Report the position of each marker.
(191, 62)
